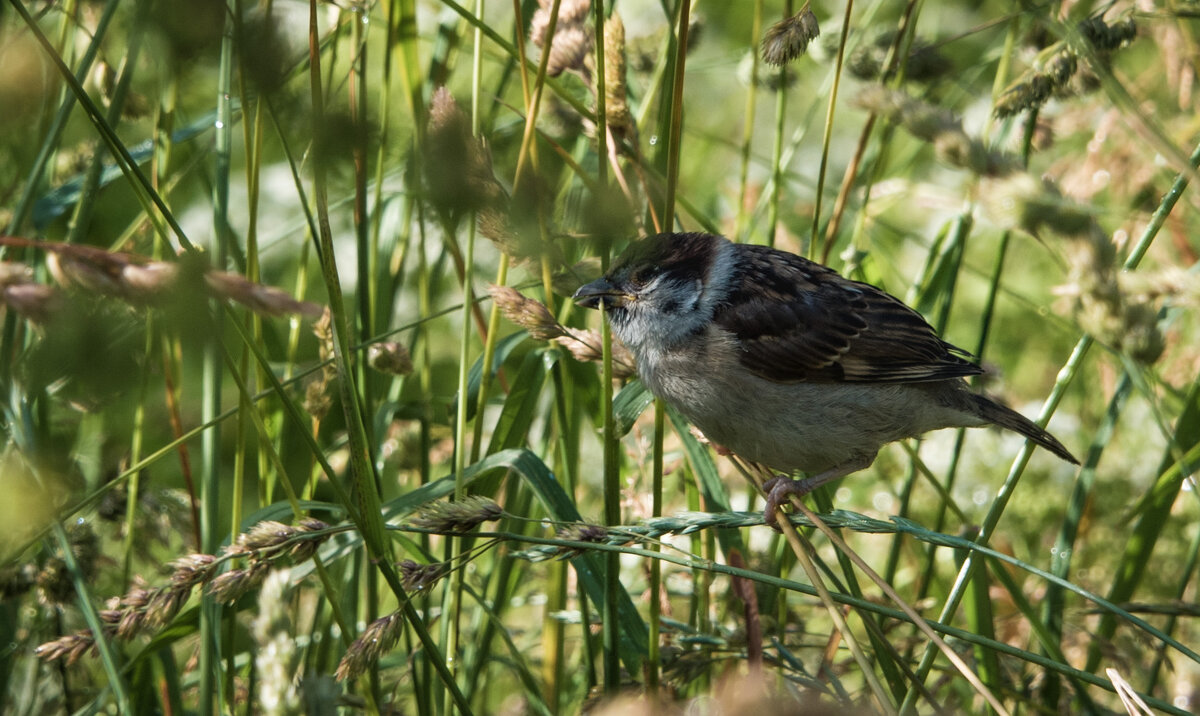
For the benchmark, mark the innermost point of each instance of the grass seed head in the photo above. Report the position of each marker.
(417, 576)
(377, 639)
(68, 648)
(230, 586)
(788, 39)
(527, 313)
(572, 41)
(586, 347)
(458, 516)
(389, 357)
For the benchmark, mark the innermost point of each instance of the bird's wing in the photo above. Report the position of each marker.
(800, 321)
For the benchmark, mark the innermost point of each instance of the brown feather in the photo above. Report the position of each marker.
(799, 321)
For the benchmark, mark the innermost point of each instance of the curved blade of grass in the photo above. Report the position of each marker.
(840, 519)
(1111, 608)
(629, 404)
(844, 519)
(559, 506)
(108, 656)
(520, 406)
(516, 661)
(712, 488)
(59, 200)
(54, 131)
(143, 189)
(366, 511)
(504, 347)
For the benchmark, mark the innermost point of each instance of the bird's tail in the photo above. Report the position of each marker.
(994, 412)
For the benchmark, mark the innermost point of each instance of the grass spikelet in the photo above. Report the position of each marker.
(788, 39)
(377, 639)
(457, 517)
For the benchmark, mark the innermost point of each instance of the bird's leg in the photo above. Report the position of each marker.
(781, 487)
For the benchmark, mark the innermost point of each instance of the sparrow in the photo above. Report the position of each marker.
(786, 363)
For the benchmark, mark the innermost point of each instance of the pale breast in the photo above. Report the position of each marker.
(792, 426)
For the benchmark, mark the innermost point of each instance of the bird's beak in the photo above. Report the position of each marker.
(601, 292)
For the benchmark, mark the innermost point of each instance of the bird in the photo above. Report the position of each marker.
(785, 362)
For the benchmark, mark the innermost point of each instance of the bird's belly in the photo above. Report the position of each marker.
(801, 426)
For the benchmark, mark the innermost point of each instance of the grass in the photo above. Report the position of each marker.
(273, 443)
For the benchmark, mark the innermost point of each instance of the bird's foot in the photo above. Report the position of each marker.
(780, 489)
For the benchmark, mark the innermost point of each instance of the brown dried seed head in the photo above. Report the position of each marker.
(192, 569)
(445, 116)
(317, 400)
(527, 313)
(419, 576)
(69, 647)
(54, 583)
(144, 281)
(266, 300)
(580, 532)
(69, 269)
(266, 535)
(572, 42)
(571, 13)
(958, 149)
(583, 532)
(136, 598)
(1106, 37)
(164, 604)
(376, 640)
(132, 621)
(16, 580)
(496, 224)
(922, 120)
(232, 585)
(788, 39)
(1036, 86)
(458, 167)
(881, 100)
(616, 104)
(389, 357)
(570, 51)
(135, 278)
(312, 524)
(587, 347)
(323, 329)
(305, 548)
(450, 138)
(1034, 205)
(235, 550)
(33, 301)
(458, 516)
(12, 272)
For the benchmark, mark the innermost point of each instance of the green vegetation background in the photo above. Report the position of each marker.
(217, 499)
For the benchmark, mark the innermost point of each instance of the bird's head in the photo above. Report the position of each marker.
(663, 288)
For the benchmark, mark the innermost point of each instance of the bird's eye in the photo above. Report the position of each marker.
(642, 276)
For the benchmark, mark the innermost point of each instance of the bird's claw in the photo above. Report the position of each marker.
(779, 490)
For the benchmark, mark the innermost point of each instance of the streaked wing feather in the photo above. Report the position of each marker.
(799, 321)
